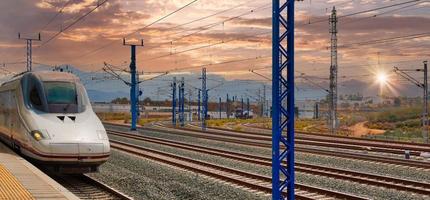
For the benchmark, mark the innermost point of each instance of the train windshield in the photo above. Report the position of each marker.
(61, 97)
(54, 96)
(61, 93)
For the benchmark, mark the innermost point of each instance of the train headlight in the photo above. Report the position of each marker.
(102, 134)
(39, 135)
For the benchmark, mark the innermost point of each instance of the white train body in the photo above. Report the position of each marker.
(47, 116)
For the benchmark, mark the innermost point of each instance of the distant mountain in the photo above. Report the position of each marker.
(159, 89)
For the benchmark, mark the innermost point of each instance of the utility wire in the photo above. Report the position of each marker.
(360, 12)
(384, 40)
(73, 23)
(206, 17)
(207, 27)
(220, 63)
(207, 46)
(57, 14)
(386, 12)
(141, 29)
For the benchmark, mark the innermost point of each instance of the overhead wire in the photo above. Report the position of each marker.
(140, 29)
(56, 15)
(99, 4)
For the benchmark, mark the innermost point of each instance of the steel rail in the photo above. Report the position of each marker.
(370, 179)
(238, 177)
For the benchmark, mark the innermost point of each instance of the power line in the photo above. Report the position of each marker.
(208, 16)
(220, 63)
(209, 26)
(73, 23)
(383, 13)
(140, 29)
(385, 40)
(57, 14)
(206, 46)
(361, 12)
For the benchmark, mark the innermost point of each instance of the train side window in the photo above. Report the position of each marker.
(35, 97)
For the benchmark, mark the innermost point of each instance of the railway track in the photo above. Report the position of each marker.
(364, 178)
(241, 178)
(85, 187)
(378, 142)
(316, 150)
(330, 141)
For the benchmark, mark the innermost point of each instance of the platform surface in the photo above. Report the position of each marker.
(21, 180)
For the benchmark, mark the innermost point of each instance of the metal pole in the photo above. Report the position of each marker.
(227, 107)
(264, 101)
(134, 86)
(283, 90)
(182, 102)
(205, 99)
(425, 102)
(189, 106)
(133, 96)
(219, 107)
(29, 55)
(29, 51)
(198, 108)
(242, 107)
(333, 74)
(247, 106)
(174, 102)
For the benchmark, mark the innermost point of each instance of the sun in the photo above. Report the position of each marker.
(382, 78)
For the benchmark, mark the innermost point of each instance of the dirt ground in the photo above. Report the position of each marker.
(360, 129)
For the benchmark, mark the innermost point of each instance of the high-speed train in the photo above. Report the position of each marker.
(47, 117)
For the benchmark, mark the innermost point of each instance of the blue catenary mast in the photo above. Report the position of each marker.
(283, 99)
(134, 86)
(205, 99)
(198, 106)
(243, 111)
(247, 106)
(219, 107)
(227, 107)
(174, 102)
(182, 102)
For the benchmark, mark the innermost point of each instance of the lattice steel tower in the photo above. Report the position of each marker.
(333, 74)
(283, 99)
(29, 49)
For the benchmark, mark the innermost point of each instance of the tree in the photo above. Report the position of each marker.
(119, 100)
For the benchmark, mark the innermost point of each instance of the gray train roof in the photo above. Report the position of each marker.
(55, 76)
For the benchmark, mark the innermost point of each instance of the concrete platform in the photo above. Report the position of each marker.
(19, 179)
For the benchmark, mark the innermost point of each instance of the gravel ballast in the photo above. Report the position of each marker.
(328, 161)
(144, 179)
(318, 181)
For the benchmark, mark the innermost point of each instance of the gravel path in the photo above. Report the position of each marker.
(144, 179)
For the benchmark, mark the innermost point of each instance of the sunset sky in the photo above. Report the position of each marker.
(245, 33)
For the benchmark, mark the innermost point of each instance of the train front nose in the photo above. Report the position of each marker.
(73, 143)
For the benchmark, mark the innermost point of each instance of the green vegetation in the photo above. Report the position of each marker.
(301, 124)
(126, 118)
(395, 115)
(400, 124)
(237, 122)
